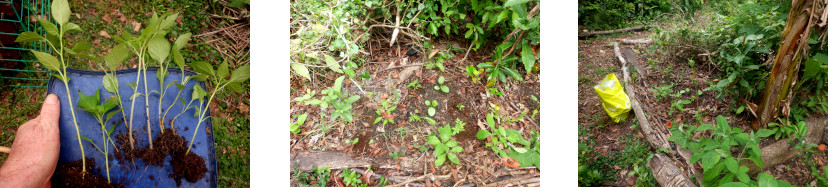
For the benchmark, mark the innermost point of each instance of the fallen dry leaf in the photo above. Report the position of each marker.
(105, 34)
(107, 18)
(433, 53)
(136, 26)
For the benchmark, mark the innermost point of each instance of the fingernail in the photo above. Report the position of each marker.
(51, 99)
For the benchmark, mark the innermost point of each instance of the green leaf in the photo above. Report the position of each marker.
(433, 140)
(301, 70)
(440, 160)
(441, 80)
(110, 83)
(117, 56)
(445, 89)
(734, 184)
(29, 37)
(764, 133)
(731, 165)
(207, 69)
(510, 3)
(199, 77)
(456, 149)
(48, 26)
(48, 61)
(490, 120)
(430, 121)
(453, 158)
(159, 48)
(223, 70)
(86, 138)
(512, 73)
(89, 103)
(178, 59)
(710, 159)
(451, 143)
(168, 22)
(71, 27)
(483, 134)
(431, 111)
(80, 47)
(439, 149)
(528, 58)
(766, 180)
(704, 127)
(61, 11)
(181, 41)
(332, 64)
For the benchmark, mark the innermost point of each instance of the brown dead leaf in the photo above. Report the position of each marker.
(433, 53)
(136, 26)
(107, 18)
(179, 21)
(95, 42)
(104, 34)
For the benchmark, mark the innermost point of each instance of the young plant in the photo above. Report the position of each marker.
(444, 146)
(319, 177)
(352, 142)
(413, 117)
(151, 44)
(460, 106)
(175, 51)
(55, 33)
(384, 113)
(414, 85)
(351, 178)
(113, 60)
(440, 86)
(432, 105)
(218, 79)
(474, 73)
(336, 98)
(503, 140)
(397, 155)
(720, 166)
(101, 112)
(459, 126)
(297, 126)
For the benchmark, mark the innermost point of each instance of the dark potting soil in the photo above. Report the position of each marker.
(187, 166)
(71, 175)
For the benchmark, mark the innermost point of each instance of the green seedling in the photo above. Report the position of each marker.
(414, 85)
(320, 176)
(493, 90)
(150, 44)
(413, 117)
(503, 140)
(432, 105)
(430, 121)
(297, 126)
(351, 178)
(216, 78)
(397, 155)
(474, 73)
(384, 113)
(101, 112)
(55, 33)
(460, 106)
(352, 142)
(444, 146)
(459, 126)
(178, 59)
(336, 98)
(440, 86)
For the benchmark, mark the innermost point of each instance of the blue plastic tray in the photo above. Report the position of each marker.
(130, 174)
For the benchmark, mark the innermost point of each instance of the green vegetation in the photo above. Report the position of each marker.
(444, 146)
(503, 142)
(102, 114)
(440, 86)
(318, 178)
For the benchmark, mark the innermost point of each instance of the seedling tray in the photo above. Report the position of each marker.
(129, 173)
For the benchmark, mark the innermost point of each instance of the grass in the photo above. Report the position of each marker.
(231, 131)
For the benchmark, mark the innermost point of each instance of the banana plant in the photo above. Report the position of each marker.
(218, 79)
(102, 113)
(150, 44)
(55, 33)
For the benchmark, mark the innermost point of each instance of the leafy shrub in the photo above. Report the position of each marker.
(720, 166)
(611, 14)
(444, 146)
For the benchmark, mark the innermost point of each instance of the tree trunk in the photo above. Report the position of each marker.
(803, 16)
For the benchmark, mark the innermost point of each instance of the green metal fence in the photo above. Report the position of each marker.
(28, 76)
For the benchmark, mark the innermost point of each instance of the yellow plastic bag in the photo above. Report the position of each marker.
(615, 101)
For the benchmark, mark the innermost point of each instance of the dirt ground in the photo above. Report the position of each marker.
(377, 141)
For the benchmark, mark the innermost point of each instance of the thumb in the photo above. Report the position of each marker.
(50, 111)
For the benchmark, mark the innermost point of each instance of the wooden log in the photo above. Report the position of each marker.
(668, 174)
(664, 169)
(593, 33)
(629, 54)
(780, 151)
(636, 41)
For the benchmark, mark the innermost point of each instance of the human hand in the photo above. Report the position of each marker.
(35, 150)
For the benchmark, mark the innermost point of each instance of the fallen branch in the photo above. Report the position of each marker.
(593, 33)
(636, 41)
(664, 169)
(780, 151)
(514, 181)
(429, 175)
